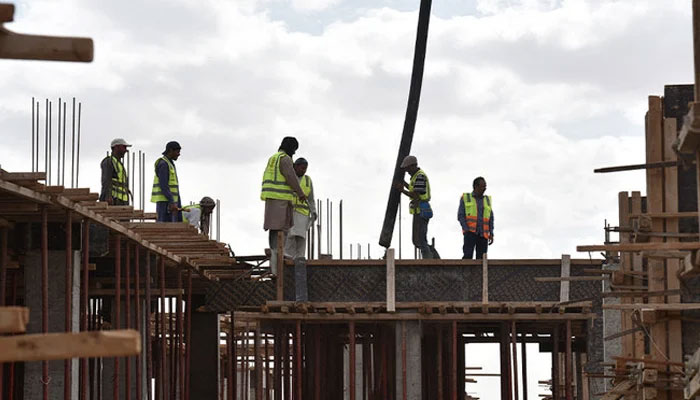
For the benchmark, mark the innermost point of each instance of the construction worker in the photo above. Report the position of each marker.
(166, 189)
(279, 185)
(476, 217)
(199, 215)
(304, 213)
(115, 181)
(419, 207)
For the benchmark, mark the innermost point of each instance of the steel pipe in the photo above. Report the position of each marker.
(68, 297)
(117, 305)
(45, 292)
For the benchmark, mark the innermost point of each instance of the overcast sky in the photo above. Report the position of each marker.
(531, 94)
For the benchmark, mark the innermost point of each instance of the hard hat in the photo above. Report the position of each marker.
(409, 160)
(119, 142)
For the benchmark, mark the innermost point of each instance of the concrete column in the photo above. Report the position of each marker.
(57, 289)
(414, 385)
(205, 356)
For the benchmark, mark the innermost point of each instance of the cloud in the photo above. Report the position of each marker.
(313, 5)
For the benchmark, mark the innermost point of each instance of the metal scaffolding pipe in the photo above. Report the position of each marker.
(439, 363)
(137, 312)
(523, 350)
(180, 333)
(258, 364)
(188, 338)
(230, 365)
(3, 283)
(297, 360)
(513, 334)
(149, 338)
(555, 363)
(454, 361)
(161, 277)
(568, 364)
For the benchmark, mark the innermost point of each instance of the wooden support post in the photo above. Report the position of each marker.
(485, 279)
(655, 203)
(673, 265)
(68, 297)
(454, 361)
(390, 281)
(439, 363)
(280, 265)
(556, 392)
(45, 292)
(84, 302)
(565, 273)
(635, 342)
(505, 362)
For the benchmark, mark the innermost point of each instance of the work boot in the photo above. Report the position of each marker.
(301, 291)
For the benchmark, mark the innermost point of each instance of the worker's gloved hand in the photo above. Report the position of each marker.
(491, 239)
(172, 207)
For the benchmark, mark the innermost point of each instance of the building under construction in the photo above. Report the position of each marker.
(101, 302)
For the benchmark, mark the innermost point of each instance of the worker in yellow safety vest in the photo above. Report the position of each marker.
(115, 180)
(475, 214)
(419, 206)
(166, 187)
(304, 213)
(279, 186)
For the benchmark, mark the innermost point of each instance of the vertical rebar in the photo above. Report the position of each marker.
(117, 305)
(36, 158)
(137, 312)
(297, 360)
(58, 145)
(330, 229)
(72, 148)
(13, 299)
(131, 180)
(340, 233)
(524, 363)
(319, 233)
(77, 156)
(218, 220)
(68, 297)
(46, 142)
(127, 304)
(85, 305)
(147, 320)
(3, 282)
(351, 345)
(514, 341)
(161, 277)
(45, 292)
(568, 370)
(189, 336)
(33, 139)
(328, 225)
(63, 149)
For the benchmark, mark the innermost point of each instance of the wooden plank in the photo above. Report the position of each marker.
(655, 204)
(634, 247)
(485, 279)
(565, 275)
(666, 215)
(414, 316)
(637, 265)
(7, 12)
(13, 319)
(673, 265)
(49, 48)
(58, 346)
(626, 262)
(22, 176)
(654, 306)
(23, 192)
(569, 279)
(390, 281)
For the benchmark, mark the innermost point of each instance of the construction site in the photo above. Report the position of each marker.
(101, 301)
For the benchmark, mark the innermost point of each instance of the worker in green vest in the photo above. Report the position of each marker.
(418, 190)
(475, 214)
(166, 187)
(115, 181)
(304, 213)
(279, 186)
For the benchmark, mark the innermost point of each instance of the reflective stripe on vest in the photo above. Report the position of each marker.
(157, 194)
(413, 207)
(274, 185)
(302, 207)
(120, 187)
(471, 214)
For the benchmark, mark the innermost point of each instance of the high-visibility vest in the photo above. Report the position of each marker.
(157, 194)
(120, 187)
(414, 207)
(471, 213)
(187, 208)
(302, 207)
(274, 184)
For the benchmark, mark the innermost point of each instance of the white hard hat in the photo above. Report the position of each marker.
(120, 141)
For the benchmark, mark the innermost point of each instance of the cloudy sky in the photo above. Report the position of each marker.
(531, 94)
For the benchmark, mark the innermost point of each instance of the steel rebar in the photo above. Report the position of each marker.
(77, 156)
(33, 139)
(340, 233)
(84, 303)
(72, 148)
(45, 292)
(63, 149)
(68, 297)
(36, 158)
(117, 306)
(58, 145)
(46, 142)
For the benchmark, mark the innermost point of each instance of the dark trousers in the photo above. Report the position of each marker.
(420, 235)
(163, 214)
(471, 241)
